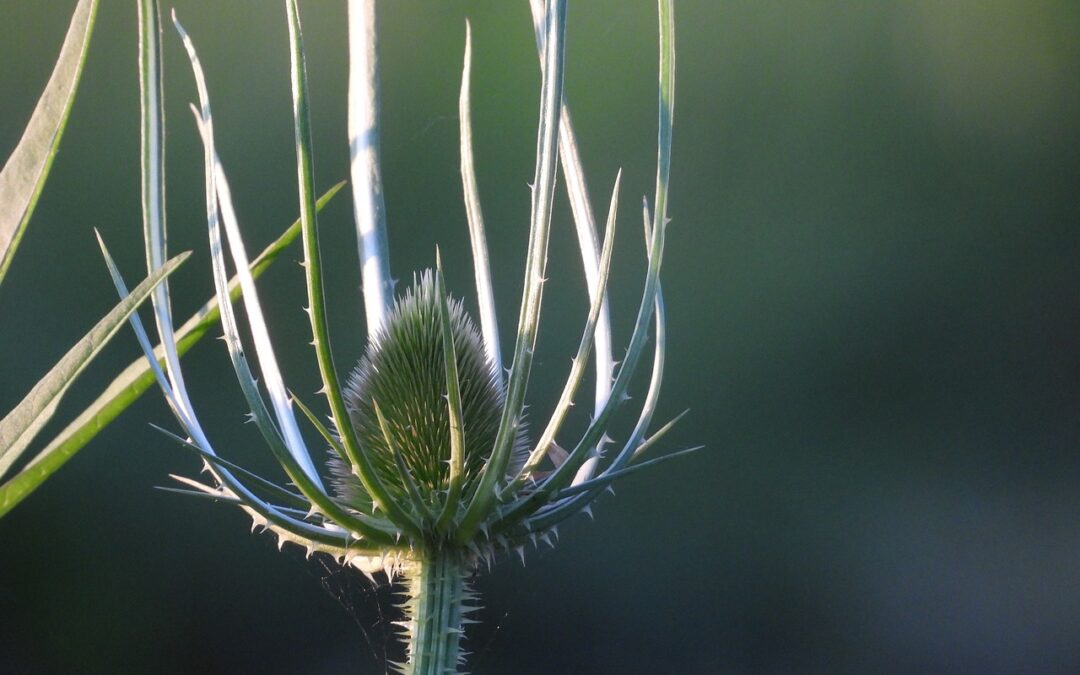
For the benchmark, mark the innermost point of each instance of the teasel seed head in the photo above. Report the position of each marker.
(402, 377)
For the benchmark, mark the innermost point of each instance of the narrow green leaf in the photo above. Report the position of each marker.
(652, 395)
(641, 449)
(200, 494)
(666, 109)
(327, 435)
(20, 426)
(221, 498)
(262, 512)
(135, 379)
(635, 444)
(289, 524)
(284, 440)
(152, 143)
(25, 172)
(659, 221)
(563, 474)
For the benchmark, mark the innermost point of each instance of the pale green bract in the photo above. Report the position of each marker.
(411, 492)
(21, 182)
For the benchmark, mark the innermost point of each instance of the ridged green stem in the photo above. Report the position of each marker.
(435, 613)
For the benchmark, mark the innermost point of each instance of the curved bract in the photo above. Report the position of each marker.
(22, 180)
(430, 468)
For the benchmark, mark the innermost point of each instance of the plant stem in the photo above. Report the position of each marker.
(435, 609)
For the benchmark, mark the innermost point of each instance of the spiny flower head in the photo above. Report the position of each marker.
(429, 451)
(397, 402)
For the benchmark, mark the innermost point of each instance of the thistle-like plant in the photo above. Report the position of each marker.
(431, 469)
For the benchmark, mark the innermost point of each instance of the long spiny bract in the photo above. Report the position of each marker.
(394, 509)
(584, 224)
(535, 267)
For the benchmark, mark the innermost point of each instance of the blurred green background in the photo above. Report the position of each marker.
(873, 283)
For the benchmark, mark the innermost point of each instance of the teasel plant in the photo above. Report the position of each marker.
(431, 472)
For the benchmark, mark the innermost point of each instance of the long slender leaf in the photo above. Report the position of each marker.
(289, 449)
(327, 435)
(609, 477)
(284, 439)
(316, 297)
(485, 294)
(219, 497)
(568, 469)
(137, 377)
(219, 199)
(262, 512)
(635, 443)
(666, 107)
(20, 426)
(570, 500)
(657, 435)
(24, 174)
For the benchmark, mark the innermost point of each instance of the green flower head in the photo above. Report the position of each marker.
(397, 403)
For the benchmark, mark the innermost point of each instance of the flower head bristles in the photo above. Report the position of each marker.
(431, 470)
(396, 398)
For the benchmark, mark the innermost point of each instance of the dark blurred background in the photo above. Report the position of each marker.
(873, 284)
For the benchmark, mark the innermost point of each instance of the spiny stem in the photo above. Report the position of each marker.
(435, 609)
